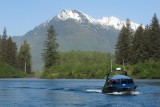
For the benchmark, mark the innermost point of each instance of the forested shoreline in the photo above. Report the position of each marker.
(14, 63)
(95, 65)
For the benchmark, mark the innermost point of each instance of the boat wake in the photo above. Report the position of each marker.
(114, 93)
(124, 93)
(94, 90)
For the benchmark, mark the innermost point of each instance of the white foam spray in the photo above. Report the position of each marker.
(94, 90)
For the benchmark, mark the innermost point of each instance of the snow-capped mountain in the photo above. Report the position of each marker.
(105, 21)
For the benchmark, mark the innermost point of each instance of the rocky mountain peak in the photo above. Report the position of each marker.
(105, 21)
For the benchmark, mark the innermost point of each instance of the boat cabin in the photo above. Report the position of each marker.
(120, 79)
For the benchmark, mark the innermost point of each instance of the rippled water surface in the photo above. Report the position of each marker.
(74, 93)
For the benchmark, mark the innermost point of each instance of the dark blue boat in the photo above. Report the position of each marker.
(119, 83)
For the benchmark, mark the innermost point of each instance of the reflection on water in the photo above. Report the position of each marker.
(71, 93)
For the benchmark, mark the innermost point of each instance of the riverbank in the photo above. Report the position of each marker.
(84, 65)
(95, 65)
(8, 71)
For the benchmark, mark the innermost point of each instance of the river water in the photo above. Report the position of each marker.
(74, 93)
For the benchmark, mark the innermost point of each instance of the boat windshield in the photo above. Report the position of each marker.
(127, 81)
(120, 81)
(130, 81)
(114, 81)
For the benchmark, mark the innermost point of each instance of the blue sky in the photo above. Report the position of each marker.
(20, 16)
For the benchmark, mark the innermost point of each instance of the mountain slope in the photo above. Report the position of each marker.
(75, 31)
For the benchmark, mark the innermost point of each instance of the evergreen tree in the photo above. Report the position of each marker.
(146, 44)
(4, 46)
(138, 46)
(154, 39)
(0, 47)
(50, 53)
(12, 52)
(8, 49)
(24, 57)
(120, 46)
(129, 31)
(123, 45)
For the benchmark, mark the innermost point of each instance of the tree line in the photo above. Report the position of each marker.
(9, 53)
(139, 46)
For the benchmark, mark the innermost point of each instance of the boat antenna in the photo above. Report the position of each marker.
(123, 65)
(111, 65)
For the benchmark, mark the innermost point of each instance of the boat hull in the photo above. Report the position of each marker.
(111, 89)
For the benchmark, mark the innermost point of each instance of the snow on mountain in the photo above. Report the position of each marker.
(66, 14)
(116, 23)
(111, 21)
(105, 21)
(74, 14)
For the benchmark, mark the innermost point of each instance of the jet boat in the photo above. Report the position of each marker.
(119, 83)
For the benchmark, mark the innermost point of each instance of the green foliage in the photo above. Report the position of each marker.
(124, 43)
(79, 64)
(50, 53)
(24, 58)
(146, 70)
(144, 50)
(11, 52)
(8, 49)
(137, 48)
(8, 55)
(143, 46)
(8, 71)
(154, 37)
(4, 46)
